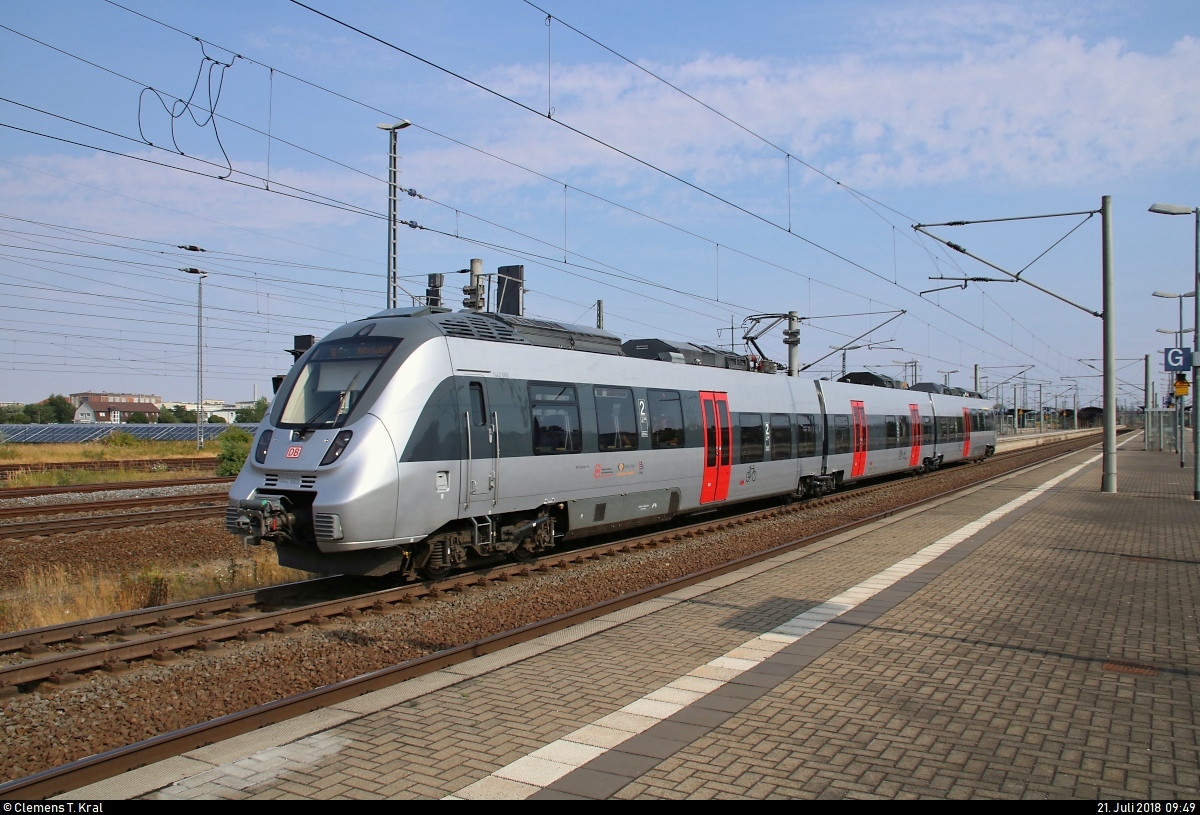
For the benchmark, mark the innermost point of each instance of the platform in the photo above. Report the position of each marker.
(1030, 638)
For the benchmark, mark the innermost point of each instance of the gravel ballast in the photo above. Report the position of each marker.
(55, 725)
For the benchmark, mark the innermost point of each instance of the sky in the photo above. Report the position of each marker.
(690, 164)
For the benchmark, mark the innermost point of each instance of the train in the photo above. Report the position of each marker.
(419, 440)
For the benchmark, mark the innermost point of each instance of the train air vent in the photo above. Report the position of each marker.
(478, 327)
(598, 515)
(271, 480)
(328, 527)
(231, 518)
(308, 482)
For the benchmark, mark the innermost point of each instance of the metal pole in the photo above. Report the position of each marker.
(977, 377)
(392, 283)
(1179, 400)
(599, 314)
(791, 338)
(200, 362)
(1196, 368)
(1041, 412)
(1108, 482)
(1146, 409)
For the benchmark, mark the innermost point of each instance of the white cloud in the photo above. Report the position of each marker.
(1022, 110)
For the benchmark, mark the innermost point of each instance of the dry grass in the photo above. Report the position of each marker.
(98, 451)
(68, 478)
(48, 595)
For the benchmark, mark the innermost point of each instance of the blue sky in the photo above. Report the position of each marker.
(841, 125)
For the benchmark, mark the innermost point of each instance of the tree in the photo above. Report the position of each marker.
(215, 419)
(64, 411)
(184, 415)
(13, 414)
(136, 418)
(167, 416)
(253, 414)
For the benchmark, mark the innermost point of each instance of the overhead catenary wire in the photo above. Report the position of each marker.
(735, 250)
(858, 195)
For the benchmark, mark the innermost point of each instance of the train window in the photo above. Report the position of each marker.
(726, 436)
(841, 434)
(752, 437)
(333, 379)
(927, 433)
(958, 428)
(555, 412)
(806, 435)
(478, 408)
(710, 422)
(666, 419)
(902, 438)
(781, 436)
(891, 431)
(616, 423)
(549, 392)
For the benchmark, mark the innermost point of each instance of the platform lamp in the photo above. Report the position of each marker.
(199, 354)
(393, 284)
(1175, 209)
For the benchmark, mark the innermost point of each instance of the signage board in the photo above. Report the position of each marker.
(1177, 359)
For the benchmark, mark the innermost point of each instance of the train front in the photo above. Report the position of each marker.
(321, 479)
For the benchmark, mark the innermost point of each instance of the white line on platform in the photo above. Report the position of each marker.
(534, 772)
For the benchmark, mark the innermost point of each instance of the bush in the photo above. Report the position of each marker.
(119, 438)
(234, 446)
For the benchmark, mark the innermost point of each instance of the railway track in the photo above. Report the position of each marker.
(58, 653)
(123, 520)
(110, 506)
(97, 767)
(146, 465)
(33, 492)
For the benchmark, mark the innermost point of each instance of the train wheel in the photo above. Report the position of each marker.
(432, 573)
(523, 553)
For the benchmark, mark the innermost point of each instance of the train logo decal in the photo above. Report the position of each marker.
(294, 451)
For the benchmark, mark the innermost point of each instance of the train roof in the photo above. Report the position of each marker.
(509, 328)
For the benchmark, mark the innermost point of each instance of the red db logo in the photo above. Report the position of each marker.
(294, 451)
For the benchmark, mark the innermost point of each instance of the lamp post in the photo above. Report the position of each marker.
(199, 354)
(1174, 209)
(946, 377)
(1178, 344)
(392, 282)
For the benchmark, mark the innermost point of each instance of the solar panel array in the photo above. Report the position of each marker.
(80, 433)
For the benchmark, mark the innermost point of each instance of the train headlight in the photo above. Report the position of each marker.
(339, 445)
(260, 452)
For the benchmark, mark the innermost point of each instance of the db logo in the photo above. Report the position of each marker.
(294, 451)
(596, 473)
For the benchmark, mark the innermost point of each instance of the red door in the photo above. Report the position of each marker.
(859, 417)
(715, 407)
(966, 432)
(914, 426)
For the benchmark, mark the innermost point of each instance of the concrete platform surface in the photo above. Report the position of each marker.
(1030, 638)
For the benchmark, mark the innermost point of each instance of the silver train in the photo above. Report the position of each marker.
(417, 440)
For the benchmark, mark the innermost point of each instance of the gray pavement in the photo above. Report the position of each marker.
(1031, 638)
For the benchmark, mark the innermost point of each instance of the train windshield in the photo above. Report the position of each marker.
(333, 379)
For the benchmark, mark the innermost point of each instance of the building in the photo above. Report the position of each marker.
(91, 408)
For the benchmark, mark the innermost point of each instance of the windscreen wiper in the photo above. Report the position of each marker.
(337, 400)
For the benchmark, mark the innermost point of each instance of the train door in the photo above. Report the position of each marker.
(717, 443)
(914, 422)
(858, 416)
(966, 432)
(480, 454)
